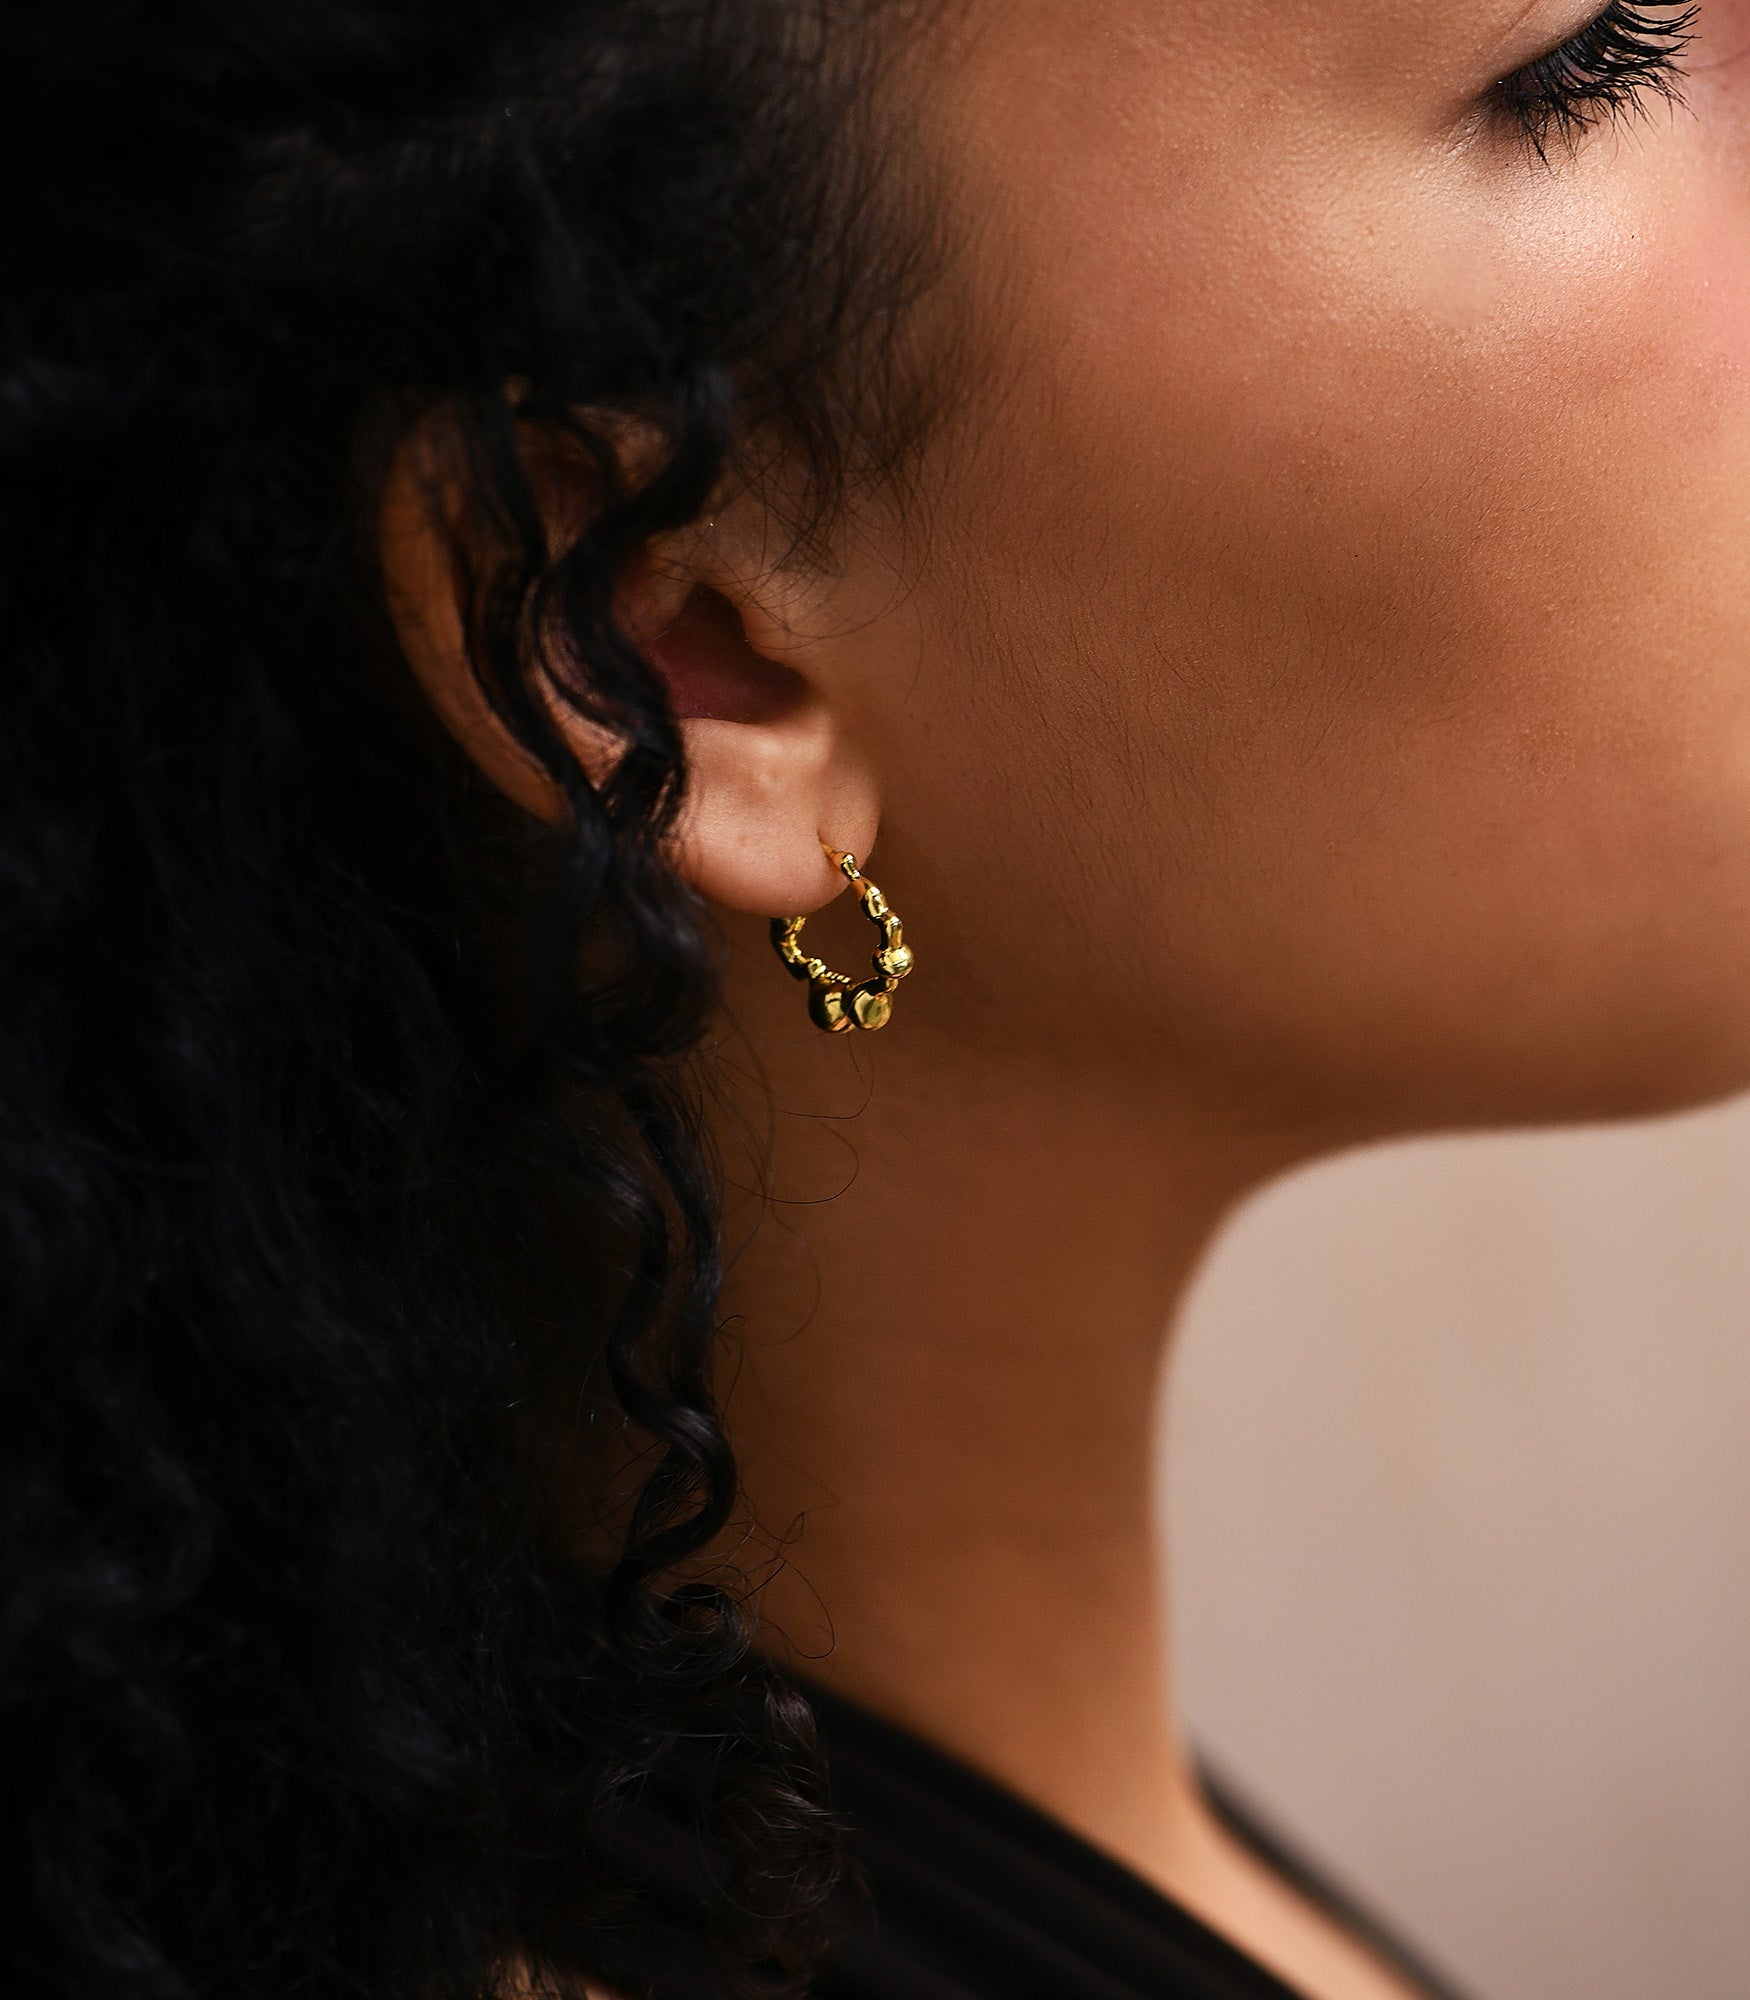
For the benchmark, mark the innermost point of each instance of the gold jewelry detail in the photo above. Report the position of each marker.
(836, 1002)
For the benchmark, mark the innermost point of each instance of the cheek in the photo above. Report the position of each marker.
(1394, 559)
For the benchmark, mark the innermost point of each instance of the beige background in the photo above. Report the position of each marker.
(1458, 1510)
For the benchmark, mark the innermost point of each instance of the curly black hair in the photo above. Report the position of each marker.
(359, 1238)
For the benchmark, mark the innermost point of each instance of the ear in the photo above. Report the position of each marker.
(773, 775)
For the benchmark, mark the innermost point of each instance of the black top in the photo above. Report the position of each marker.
(973, 1894)
(978, 1896)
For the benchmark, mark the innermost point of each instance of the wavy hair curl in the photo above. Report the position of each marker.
(355, 1220)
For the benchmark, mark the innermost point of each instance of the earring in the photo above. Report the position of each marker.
(836, 1002)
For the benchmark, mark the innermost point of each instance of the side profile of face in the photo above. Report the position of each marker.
(1307, 675)
(1318, 675)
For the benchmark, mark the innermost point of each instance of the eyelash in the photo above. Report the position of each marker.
(1606, 71)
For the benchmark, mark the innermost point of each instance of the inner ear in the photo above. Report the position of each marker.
(711, 671)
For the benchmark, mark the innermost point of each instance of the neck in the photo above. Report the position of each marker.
(947, 1328)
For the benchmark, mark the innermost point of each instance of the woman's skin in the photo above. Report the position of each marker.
(1305, 698)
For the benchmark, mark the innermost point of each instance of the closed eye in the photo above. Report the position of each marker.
(1616, 65)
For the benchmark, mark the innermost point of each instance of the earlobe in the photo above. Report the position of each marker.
(762, 798)
(771, 776)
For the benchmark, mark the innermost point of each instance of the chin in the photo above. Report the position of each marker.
(1631, 1068)
(1651, 1056)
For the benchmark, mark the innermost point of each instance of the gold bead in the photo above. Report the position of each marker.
(826, 1008)
(872, 1005)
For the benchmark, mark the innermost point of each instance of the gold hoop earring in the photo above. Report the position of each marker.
(837, 1002)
